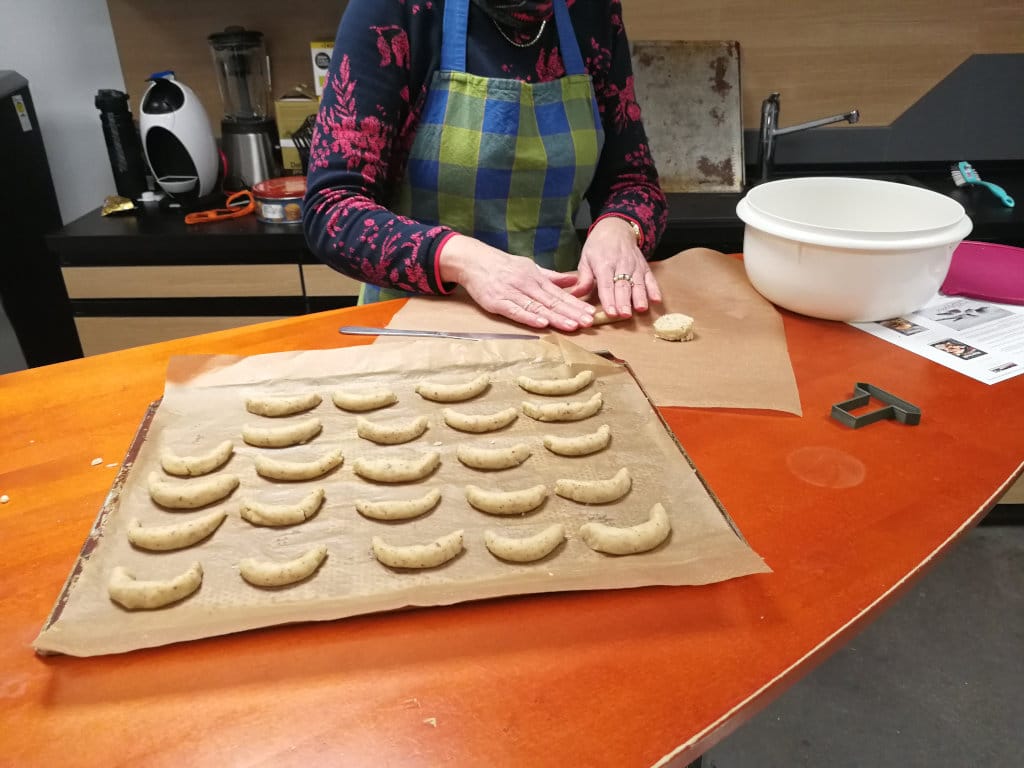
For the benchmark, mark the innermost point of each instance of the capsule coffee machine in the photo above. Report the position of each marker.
(249, 137)
(178, 141)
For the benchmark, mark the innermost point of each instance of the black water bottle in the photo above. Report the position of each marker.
(123, 144)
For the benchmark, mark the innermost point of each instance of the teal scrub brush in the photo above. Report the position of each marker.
(964, 173)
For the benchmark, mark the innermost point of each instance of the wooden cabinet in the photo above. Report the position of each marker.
(127, 306)
(109, 334)
(321, 280)
(138, 286)
(1015, 494)
(149, 278)
(177, 282)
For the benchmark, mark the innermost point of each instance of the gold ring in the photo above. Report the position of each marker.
(530, 304)
(623, 276)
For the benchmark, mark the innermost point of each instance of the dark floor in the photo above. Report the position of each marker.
(937, 680)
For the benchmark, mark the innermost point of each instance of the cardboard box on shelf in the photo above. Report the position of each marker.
(321, 52)
(291, 113)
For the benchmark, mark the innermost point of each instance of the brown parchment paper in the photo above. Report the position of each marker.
(204, 403)
(739, 358)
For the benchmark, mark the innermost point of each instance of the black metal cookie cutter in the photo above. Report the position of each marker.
(900, 410)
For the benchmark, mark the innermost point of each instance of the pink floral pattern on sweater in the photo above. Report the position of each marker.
(385, 54)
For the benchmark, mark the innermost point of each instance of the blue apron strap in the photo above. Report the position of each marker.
(453, 35)
(572, 59)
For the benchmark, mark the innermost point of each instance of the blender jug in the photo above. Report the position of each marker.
(249, 139)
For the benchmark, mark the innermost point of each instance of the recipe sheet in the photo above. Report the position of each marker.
(980, 339)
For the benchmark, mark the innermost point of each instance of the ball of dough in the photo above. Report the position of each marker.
(674, 327)
(603, 318)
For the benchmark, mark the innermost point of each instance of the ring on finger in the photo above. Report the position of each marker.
(623, 276)
(530, 305)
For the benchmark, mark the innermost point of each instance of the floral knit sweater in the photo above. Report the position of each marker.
(385, 54)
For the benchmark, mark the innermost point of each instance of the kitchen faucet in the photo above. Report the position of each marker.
(770, 129)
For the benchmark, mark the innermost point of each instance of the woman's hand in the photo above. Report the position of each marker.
(513, 286)
(612, 261)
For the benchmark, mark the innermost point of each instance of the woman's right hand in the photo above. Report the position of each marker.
(513, 286)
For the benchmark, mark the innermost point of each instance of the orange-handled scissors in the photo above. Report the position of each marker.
(238, 204)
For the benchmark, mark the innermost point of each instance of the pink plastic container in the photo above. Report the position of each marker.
(986, 271)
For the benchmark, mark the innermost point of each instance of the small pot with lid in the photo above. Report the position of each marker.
(279, 201)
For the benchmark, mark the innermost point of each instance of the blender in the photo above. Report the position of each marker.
(249, 139)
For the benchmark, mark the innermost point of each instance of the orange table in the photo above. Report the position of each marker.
(624, 677)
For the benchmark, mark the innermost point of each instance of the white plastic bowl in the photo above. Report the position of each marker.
(850, 249)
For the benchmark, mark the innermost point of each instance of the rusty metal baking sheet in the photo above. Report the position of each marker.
(689, 96)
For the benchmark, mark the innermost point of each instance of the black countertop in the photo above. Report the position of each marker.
(712, 217)
(695, 220)
(152, 237)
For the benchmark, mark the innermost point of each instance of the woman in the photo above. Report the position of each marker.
(455, 141)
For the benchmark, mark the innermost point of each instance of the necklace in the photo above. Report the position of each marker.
(536, 37)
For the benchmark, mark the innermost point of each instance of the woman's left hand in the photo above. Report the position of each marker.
(612, 261)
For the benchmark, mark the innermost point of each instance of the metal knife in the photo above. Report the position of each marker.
(360, 330)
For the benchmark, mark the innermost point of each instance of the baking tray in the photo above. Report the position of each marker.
(705, 545)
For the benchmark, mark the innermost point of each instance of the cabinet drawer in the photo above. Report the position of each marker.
(108, 334)
(183, 281)
(1014, 494)
(321, 280)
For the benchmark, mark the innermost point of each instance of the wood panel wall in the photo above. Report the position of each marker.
(154, 36)
(824, 56)
(828, 56)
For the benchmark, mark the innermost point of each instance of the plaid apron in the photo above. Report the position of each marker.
(504, 161)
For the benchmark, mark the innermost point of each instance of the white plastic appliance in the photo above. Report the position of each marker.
(179, 144)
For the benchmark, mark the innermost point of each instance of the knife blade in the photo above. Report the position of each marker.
(362, 330)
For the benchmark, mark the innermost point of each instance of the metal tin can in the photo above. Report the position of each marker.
(279, 201)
